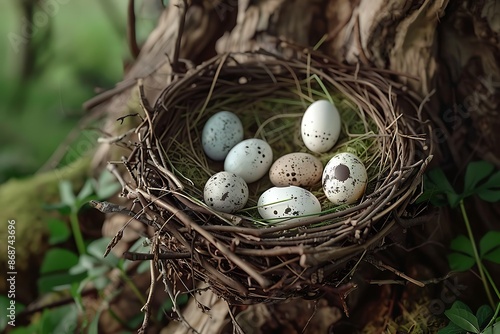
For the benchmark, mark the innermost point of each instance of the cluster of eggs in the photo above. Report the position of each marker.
(343, 179)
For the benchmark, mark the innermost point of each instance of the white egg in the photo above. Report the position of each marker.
(226, 192)
(288, 204)
(320, 126)
(344, 179)
(221, 132)
(249, 159)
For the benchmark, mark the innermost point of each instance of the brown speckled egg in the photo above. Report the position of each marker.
(296, 169)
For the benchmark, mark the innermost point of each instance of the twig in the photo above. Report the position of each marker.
(132, 256)
(169, 291)
(121, 119)
(186, 220)
(115, 139)
(145, 307)
(182, 21)
(415, 221)
(380, 265)
(236, 326)
(131, 33)
(63, 301)
(106, 207)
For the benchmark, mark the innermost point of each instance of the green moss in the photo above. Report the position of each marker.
(23, 200)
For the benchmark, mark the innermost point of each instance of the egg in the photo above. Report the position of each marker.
(249, 159)
(287, 204)
(226, 192)
(344, 179)
(220, 134)
(320, 126)
(296, 169)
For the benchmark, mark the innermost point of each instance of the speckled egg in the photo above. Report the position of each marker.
(320, 126)
(344, 179)
(226, 192)
(221, 132)
(249, 159)
(288, 204)
(296, 169)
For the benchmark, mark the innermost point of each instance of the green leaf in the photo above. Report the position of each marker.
(58, 231)
(439, 179)
(461, 315)
(94, 324)
(59, 281)
(66, 193)
(491, 330)
(489, 195)
(489, 246)
(107, 185)
(136, 321)
(452, 329)
(62, 319)
(462, 244)
(463, 257)
(483, 315)
(58, 259)
(490, 190)
(441, 183)
(33, 328)
(85, 263)
(86, 191)
(475, 173)
(100, 282)
(98, 271)
(437, 183)
(460, 262)
(62, 208)
(143, 267)
(77, 296)
(97, 248)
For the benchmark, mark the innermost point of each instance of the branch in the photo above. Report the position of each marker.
(182, 21)
(131, 33)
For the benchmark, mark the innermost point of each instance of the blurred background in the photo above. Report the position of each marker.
(55, 55)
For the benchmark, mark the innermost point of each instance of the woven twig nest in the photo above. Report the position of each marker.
(242, 259)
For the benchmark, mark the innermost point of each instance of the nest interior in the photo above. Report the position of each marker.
(242, 259)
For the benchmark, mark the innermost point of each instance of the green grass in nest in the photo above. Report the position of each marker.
(276, 120)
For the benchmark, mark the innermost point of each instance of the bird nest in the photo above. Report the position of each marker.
(241, 258)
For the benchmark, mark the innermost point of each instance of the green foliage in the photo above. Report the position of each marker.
(462, 257)
(489, 247)
(480, 179)
(58, 267)
(463, 321)
(23, 200)
(58, 231)
(65, 270)
(94, 265)
(68, 64)
(70, 203)
(62, 319)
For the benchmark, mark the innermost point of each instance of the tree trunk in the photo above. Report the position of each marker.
(446, 51)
